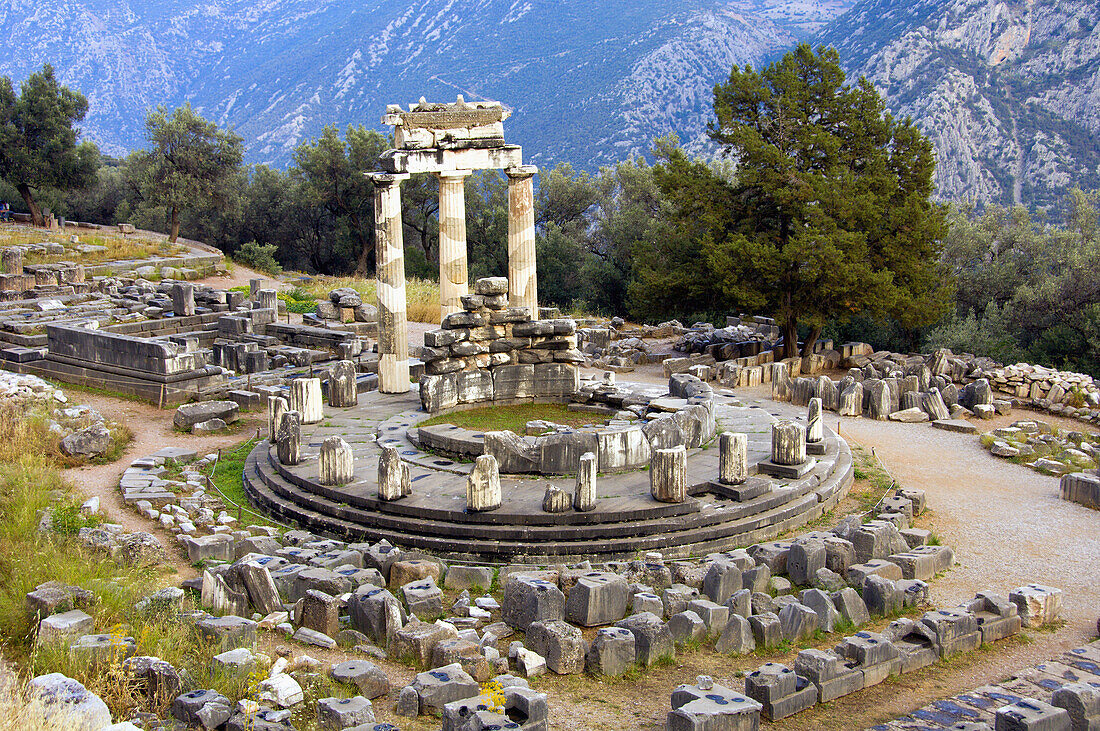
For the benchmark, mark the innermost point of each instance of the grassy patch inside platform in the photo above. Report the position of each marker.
(515, 418)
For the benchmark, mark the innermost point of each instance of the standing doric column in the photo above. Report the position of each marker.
(389, 247)
(522, 277)
(453, 277)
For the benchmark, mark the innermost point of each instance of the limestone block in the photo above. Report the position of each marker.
(700, 708)
(187, 415)
(740, 603)
(438, 392)
(722, 579)
(288, 439)
(584, 496)
(262, 592)
(560, 643)
(527, 599)
(622, 449)
(597, 598)
(1032, 714)
(652, 639)
(228, 632)
(612, 652)
(306, 399)
(766, 630)
(779, 690)
(341, 713)
(686, 626)
(881, 595)
(1082, 702)
(737, 636)
(733, 459)
(797, 622)
(376, 613)
(513, 453)
(851, 400)
(436, 688)
(394, 482)
(370, 679)
(822, 604)
(788, 443)
(668, 475)
(882, 404)
(320, 612)
(934, 405)
(556, 500)
(417, 640)
(1037, 604)
(336, 464)
(474, 386)
(468, 577)
(483, 485)
(806, 556)
(64, 626)
(829, 673)
(423, 598)
(342, 391)
(851, 606)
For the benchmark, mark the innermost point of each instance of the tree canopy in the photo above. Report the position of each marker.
(828, 214)
(191, 163)
(38, 140)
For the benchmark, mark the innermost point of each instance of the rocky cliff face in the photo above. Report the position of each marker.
(590, 82)
(1009, 90)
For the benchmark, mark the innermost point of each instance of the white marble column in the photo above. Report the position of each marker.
(453, 276)
(522, 275)
(393, 331)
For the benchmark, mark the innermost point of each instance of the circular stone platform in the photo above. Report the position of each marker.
(625, 522)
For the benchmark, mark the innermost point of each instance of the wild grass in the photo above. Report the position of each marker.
(421, 295)
(117, 246)
(515, 418)
(227, 477)
(871, 481)
(25, 429)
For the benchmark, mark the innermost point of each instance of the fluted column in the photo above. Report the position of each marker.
(522, 275)
(393, 331)
(453, 277)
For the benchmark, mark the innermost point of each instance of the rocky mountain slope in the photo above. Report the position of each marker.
(590, 82)
(1008, 90)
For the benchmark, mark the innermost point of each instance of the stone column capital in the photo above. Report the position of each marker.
(521, 172)
(453, 174)
(384, 180)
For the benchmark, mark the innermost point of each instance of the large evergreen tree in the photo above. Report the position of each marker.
(829, 212)
(38, 142)
(191, 163)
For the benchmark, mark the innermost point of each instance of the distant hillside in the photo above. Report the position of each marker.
(590, 82)
(1009, 91)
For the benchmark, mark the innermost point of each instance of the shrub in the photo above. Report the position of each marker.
(260, 257)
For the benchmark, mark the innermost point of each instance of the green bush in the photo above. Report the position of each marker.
(260, 257)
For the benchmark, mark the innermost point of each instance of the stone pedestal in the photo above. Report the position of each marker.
(393, 475)
(483, 485)
(522, 275)
(335, 464)
(789, 459)
(453, 276)
(11, 261)
(288, 438)
(668, 475)
(788, 443)
(393, 333)
(276, 407)
(305, 398)
(183, 299)
(254, 286)
(733, 458)
(342, 391)
(268, 299)
(584, 497)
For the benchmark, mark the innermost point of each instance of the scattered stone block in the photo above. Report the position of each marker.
(766, 630)
(560, 643)
(779, 690)
(737, 637)
(64, 626)
(61, 694)
(1037, 604)
(597, 598)
(423, 598)
(370, 679)
(829, 673)
(527, 599)
(612, 652)
(685, 627)
(797, 621)
(336, 714)
(695, 708)
(652, 639)
(1031, 714)
(417, 640)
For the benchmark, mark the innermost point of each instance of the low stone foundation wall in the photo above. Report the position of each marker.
(1083, 488)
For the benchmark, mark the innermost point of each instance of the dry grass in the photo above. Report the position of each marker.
(25, 430)
(118, 246)
(23, 710)
(421, 295)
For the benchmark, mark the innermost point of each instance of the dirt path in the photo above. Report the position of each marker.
(152, 429)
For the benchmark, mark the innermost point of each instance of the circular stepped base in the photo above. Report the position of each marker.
(625, 523)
